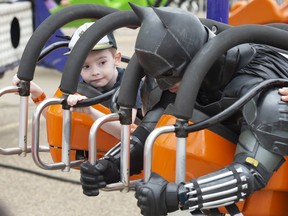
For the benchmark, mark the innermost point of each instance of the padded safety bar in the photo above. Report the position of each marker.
(199, 66)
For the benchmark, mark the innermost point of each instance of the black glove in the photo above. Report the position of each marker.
(95, 177)
(157, 196)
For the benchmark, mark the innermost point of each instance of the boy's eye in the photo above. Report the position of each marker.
(86, 67)
(103, 62)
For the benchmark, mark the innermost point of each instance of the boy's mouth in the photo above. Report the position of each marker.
(97, 80)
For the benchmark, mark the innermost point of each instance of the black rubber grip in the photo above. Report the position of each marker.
(130, 83)
(96, 100)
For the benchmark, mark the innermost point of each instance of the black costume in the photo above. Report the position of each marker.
(164, 48)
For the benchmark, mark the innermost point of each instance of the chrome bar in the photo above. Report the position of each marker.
(93, 132)
(17, 150)
(23, 124)
(120, 186)
(22, 148)
(21, 144)
(125, 156)
(149, 146)
(66, 138)
(35, 137)
(9, 89)
(10, 151)
(181, 160)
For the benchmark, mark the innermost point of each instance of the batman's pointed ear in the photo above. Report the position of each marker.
(165, 17)
(141, 12)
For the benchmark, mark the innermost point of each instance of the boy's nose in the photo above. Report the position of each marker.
(95, 72)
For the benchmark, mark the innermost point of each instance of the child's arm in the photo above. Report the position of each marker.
(37, 94)
(35, 90)
(113, 128)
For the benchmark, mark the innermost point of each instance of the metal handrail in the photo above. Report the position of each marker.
(66, 163)
(125, 184)
(22, 148)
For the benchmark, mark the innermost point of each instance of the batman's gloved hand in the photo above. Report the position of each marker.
(157, 196)
(95, 177)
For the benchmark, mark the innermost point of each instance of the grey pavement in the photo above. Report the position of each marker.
(26, 189)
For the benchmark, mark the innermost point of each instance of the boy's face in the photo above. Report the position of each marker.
(100, 67)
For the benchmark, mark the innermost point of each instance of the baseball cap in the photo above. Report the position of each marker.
(106, 42)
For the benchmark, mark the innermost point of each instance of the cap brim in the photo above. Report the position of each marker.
(95, 48)
(102, 46)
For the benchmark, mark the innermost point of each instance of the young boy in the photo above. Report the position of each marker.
(99, 71)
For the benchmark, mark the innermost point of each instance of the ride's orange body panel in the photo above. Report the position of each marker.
(257, 12)
(203, 150)
(206, 152)
(80, 127)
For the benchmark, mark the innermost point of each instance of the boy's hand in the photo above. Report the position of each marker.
(72, 100)
(284, 93)
(35, 90)
(15, 80)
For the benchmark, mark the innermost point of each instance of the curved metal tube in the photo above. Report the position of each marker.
(22, 148)
(35, 138)
(124, 185)
(93, 132)
(199, 66)
(149, 146)
(9, 89)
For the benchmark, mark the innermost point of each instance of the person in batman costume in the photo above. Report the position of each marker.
(167, 41)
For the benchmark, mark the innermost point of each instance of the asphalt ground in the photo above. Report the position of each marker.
(26, 189)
